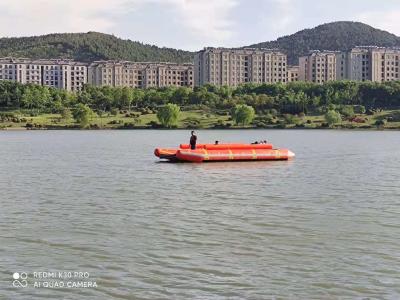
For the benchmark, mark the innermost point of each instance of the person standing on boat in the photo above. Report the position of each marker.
(193, 140)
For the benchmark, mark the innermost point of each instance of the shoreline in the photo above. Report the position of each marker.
(198, 120)
(186, 129)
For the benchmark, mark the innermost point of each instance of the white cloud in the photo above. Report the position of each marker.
(385, 20)
(210, 19)
(190, 24)
(285, 14)
(204, 19)
(46, 16)
(281, 18)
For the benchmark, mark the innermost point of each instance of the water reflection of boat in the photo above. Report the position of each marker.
(224, 152)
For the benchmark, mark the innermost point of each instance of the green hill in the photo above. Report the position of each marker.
(96, 46)
(331, 36)
(88, 47)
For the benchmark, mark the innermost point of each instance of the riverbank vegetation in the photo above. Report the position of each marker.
(341, 104)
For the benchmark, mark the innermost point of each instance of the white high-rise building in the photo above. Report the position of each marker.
(231, 67)
(140, 74)
(367, 63)
(318, 66)
(57, 73)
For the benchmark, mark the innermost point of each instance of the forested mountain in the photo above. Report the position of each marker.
(331, 36)
(95, 46)
(88, 47)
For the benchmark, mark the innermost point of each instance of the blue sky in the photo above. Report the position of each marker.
(191, 24)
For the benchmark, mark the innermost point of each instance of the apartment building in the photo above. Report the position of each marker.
(354, 65)
(57, 73)
(318, 66)
(293, 73)
(140, 75)
(369, 63)
(385, 64)
(222, 66)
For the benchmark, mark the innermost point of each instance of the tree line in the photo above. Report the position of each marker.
(292, 98)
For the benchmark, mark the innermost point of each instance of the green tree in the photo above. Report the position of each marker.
(361, 109)
(243, 114)
(66, 114)
(168, 115)
(126, 98)
(347, 111)
(57, 106)
(36, 97)
(333, 117)
(181, 95)
(82, 114)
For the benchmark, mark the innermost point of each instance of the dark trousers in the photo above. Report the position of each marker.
(193, 146)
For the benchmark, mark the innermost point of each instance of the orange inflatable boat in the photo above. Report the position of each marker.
(224, 152)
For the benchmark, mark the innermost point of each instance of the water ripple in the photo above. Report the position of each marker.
(324, 226)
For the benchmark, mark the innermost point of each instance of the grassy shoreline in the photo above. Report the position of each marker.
(194, 119)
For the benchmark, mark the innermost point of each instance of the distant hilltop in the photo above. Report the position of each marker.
(88, 47)
(91, 46)
(341, 36)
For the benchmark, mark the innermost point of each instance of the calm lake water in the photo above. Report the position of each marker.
(324, 226)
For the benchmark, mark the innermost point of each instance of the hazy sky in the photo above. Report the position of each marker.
(191, 24)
